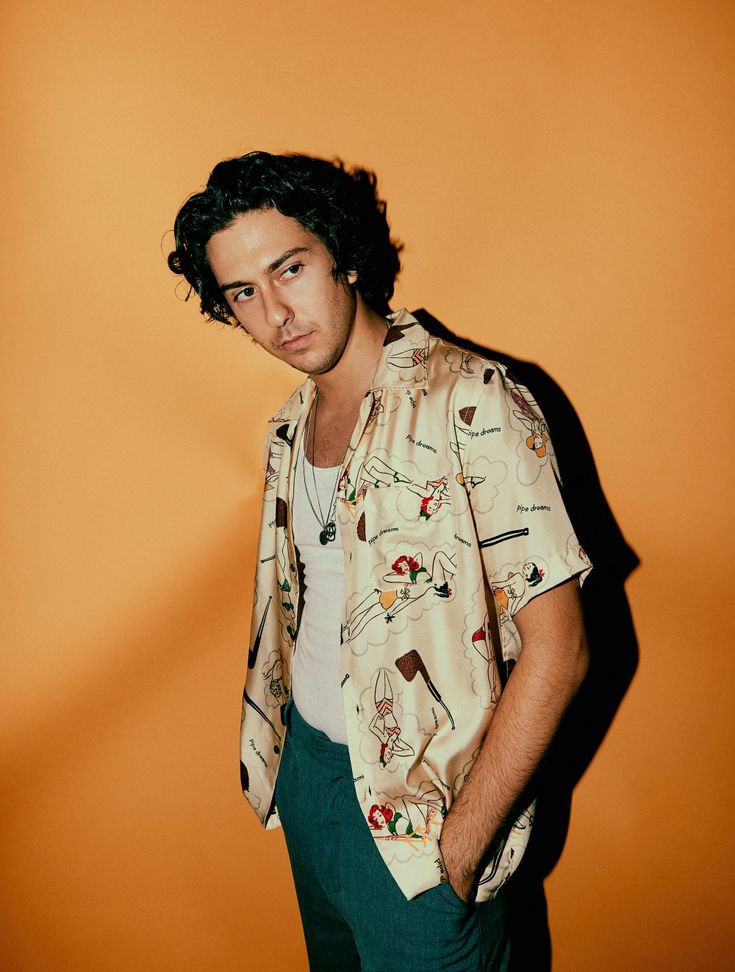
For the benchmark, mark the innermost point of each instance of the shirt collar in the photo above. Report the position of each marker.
(402, 364)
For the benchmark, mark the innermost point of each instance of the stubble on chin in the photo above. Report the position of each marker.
(327, 364)
(323, 362)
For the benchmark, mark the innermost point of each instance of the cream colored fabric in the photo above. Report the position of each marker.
(449, 476)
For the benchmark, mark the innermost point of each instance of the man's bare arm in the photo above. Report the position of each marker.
(551, 667)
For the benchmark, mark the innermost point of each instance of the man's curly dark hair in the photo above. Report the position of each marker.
(339, 206)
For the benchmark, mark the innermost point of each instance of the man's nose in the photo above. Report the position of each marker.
(277, 311)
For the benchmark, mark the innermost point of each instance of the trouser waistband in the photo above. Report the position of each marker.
(314, 741)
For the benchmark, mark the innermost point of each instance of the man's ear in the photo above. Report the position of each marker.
(351, 276)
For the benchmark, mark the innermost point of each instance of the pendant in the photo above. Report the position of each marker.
(328, 533)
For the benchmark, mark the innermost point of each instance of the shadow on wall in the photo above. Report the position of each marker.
(613, 652)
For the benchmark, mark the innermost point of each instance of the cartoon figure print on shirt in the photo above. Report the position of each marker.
(412, 583)
(383, 725)
(375, 473)
(484, 674)
(534, 434)
(536, 427)
(509, 593)
(409, 820)
(411, 816)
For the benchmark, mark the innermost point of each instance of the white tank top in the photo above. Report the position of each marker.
(315, 677)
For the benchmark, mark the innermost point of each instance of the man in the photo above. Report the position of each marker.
(417, 634)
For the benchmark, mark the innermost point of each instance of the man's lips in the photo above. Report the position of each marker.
(296, 343)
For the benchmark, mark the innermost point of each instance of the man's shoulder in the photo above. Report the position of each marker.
(417, 355)
(458, 360)
(460, 370)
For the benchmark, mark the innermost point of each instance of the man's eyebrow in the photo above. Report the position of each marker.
(278, 262)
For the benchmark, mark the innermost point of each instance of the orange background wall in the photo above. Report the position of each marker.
(562, 175)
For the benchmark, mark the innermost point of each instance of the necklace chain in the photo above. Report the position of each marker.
(328, 530)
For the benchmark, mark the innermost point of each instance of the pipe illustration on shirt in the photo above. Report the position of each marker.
(285, 433)
(409, 572)
(383, 725)
(411, 663)
(253, 651)
(510, 592)
(248, 700)
(287, 606)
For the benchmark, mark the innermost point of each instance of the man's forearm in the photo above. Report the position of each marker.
(546, 677)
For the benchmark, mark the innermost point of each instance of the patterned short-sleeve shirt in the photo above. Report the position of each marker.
(451, 520)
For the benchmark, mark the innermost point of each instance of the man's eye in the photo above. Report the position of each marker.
(293, 270)
(245, 294)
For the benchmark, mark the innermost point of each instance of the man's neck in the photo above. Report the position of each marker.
(350, 379)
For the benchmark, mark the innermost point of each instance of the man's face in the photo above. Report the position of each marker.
(277, 278)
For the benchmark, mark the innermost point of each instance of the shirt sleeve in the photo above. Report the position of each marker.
(526, 539)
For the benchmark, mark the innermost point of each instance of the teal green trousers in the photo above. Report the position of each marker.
(355, 917)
